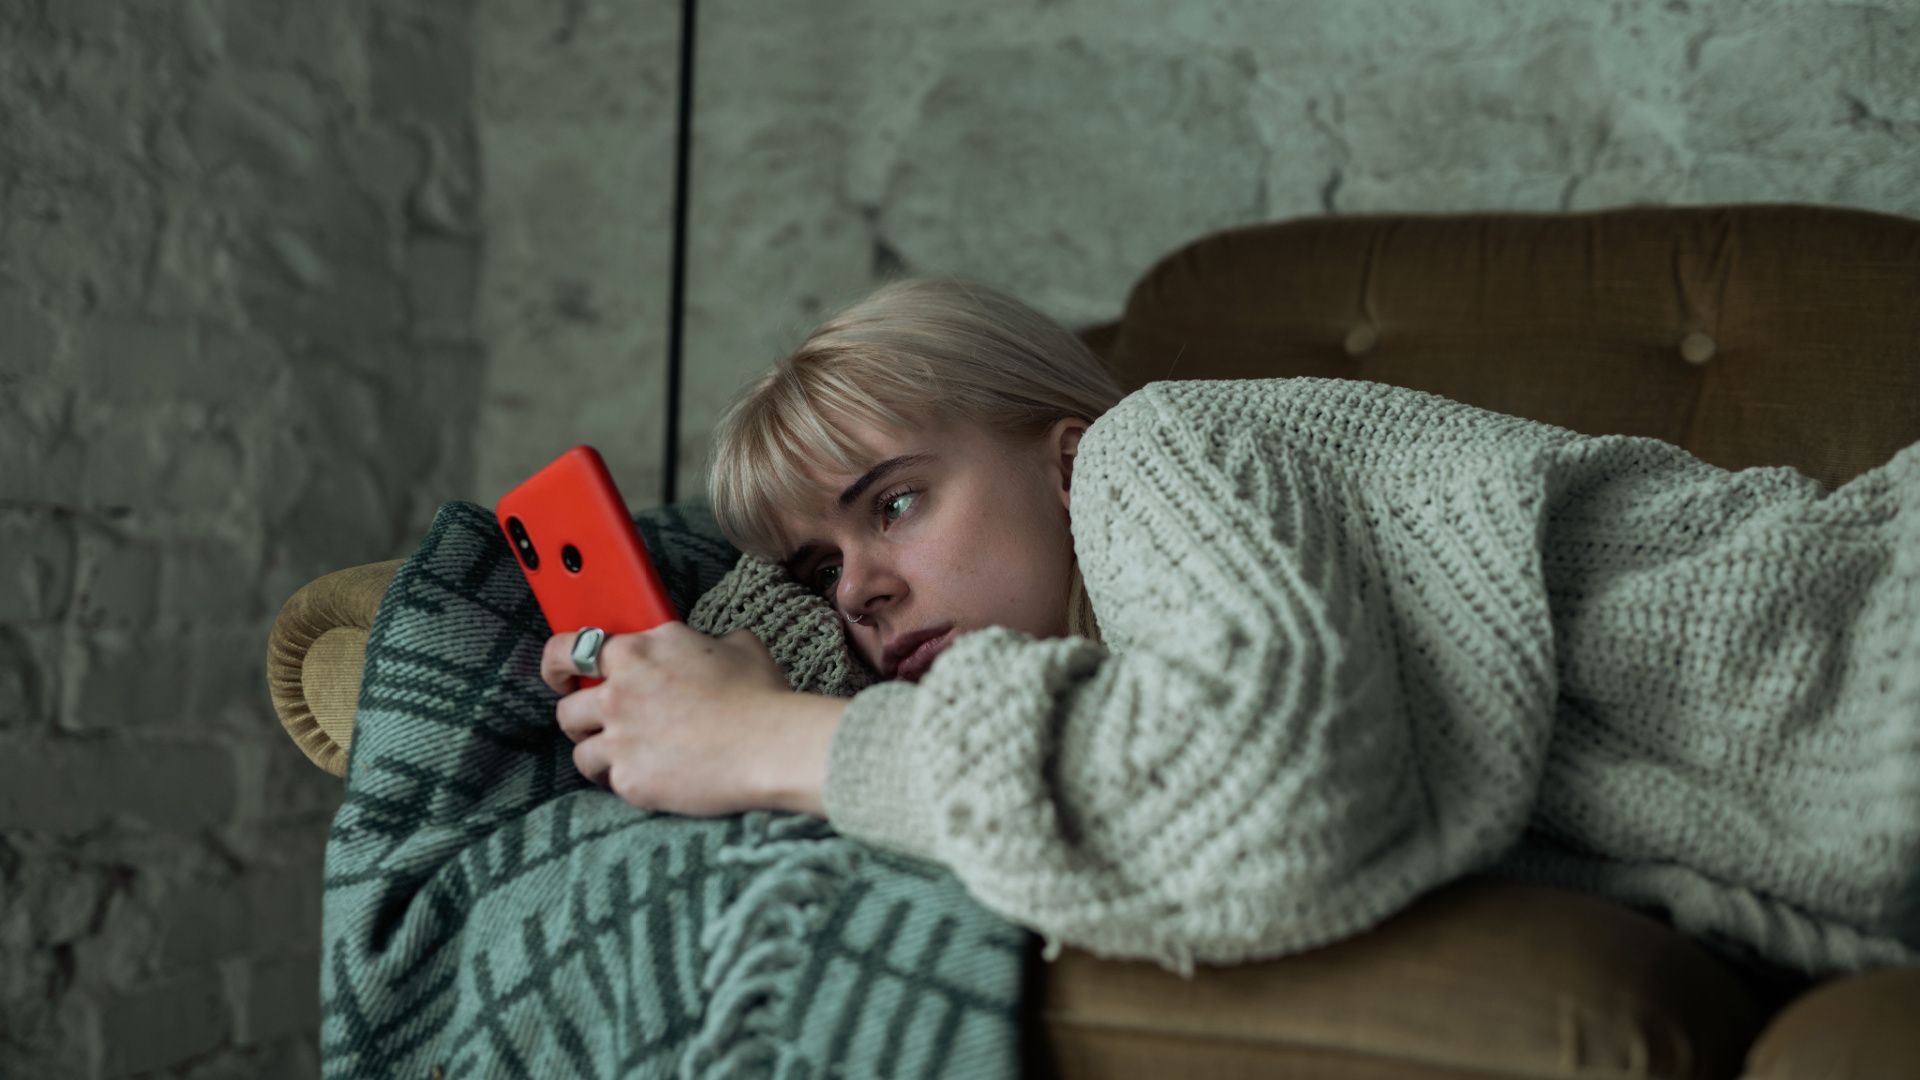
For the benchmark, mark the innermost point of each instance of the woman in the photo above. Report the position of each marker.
(1222, 670)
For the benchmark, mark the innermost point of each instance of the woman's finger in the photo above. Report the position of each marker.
(556, 663)
(590, 757)
(579, 714)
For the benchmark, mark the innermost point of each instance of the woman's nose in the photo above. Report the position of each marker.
(865, 584)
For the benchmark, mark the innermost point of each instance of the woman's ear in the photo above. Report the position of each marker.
(1064, 438)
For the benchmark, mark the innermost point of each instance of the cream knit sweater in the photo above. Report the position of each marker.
(1362, 640)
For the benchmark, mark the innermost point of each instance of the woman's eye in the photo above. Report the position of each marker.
(896, 500)
(889, 507)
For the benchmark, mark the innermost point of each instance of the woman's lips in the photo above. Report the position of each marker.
(915, 663)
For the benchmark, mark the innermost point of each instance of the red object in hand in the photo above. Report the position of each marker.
(579, 549)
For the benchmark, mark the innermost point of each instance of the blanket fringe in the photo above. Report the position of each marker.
(758, 945)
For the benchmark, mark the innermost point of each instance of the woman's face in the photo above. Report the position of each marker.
(950, 527)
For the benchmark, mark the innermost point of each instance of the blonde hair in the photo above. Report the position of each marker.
(913, 350)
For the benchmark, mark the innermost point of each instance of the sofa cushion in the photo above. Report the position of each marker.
(1749, 335)
(1479, 978)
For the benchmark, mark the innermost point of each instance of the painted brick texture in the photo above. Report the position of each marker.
(277, 277)
(238, 259)
(1055, 149)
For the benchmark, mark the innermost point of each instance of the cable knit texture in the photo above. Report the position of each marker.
(1361, 640)
(800, 631)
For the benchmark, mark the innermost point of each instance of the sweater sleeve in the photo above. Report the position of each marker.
(1232, 776)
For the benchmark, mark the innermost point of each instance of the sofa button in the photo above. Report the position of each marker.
(1696, 348)
(1361, 340)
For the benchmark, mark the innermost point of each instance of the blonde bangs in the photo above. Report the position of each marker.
(792, 415)
(912, 352)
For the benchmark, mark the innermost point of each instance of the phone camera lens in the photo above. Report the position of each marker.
(570, 558)
(523, 542)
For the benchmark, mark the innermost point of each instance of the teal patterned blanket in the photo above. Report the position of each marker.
(490, 913)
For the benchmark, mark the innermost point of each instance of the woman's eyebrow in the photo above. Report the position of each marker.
(867, 479)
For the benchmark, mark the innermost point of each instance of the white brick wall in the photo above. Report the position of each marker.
(238, 254)
(277, 277)
(1057, 148)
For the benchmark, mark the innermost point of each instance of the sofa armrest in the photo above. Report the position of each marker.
(314, 656)
(1856, 1027)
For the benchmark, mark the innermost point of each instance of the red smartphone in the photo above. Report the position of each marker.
(580, 551)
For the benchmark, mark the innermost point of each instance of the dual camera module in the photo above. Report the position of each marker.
(530, 555)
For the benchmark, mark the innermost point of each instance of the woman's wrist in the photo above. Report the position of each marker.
(797, 767)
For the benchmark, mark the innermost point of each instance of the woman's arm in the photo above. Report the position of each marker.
(1240, 776)
(796, 773)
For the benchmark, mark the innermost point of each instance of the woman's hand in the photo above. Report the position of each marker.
(693, 724)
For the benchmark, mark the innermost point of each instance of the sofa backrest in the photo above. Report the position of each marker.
(1750, 335)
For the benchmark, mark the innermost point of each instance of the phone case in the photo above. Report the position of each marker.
(579, 549)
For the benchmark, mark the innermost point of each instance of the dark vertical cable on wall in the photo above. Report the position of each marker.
(677, 303)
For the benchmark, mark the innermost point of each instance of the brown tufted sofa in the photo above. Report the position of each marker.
(1750, 335)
